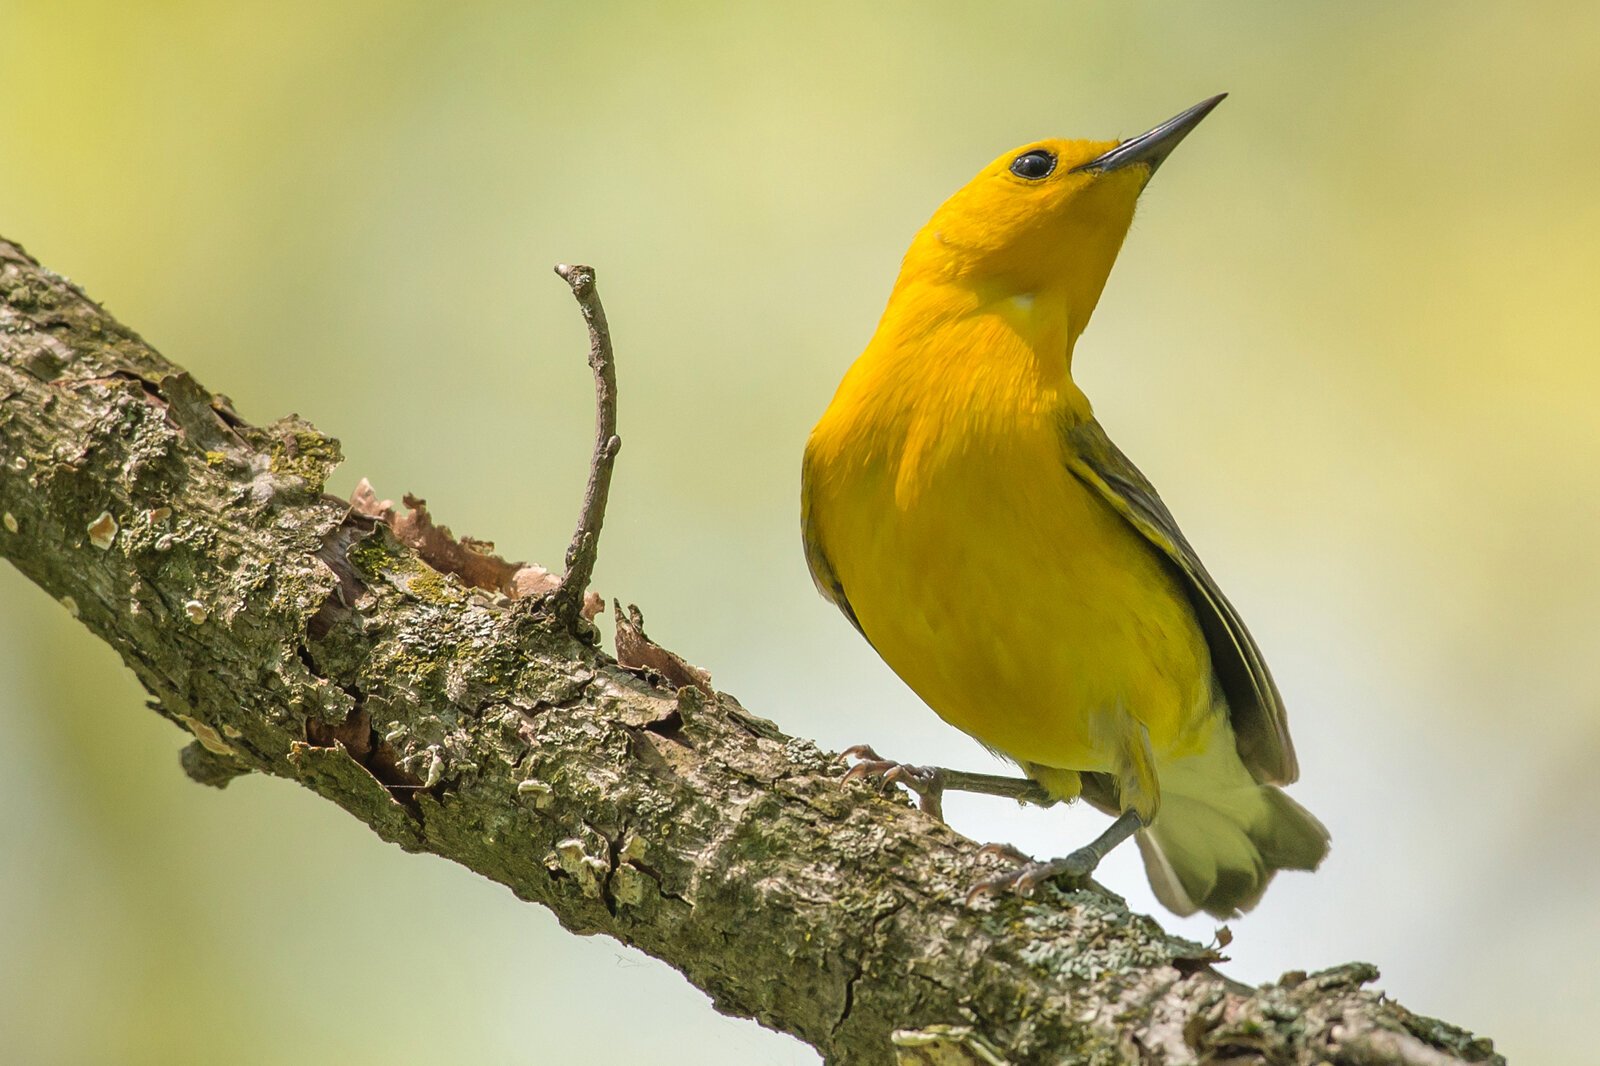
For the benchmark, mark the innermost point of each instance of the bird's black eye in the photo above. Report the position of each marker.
(1034, 165)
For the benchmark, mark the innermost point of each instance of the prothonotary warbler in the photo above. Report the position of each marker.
(969, 516)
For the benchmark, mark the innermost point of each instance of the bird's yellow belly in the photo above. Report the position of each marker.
(1023, 610)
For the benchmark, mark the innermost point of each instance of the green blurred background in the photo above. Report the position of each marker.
(1352, 337)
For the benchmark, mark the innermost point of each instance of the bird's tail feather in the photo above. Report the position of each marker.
(1216, 848)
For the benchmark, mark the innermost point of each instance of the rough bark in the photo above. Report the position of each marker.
(294, 637)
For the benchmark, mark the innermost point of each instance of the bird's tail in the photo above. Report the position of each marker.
(1220, 836)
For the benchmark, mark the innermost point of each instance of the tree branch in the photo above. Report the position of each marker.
(294, 636)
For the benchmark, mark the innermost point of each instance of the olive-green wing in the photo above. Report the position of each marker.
(1259, 723)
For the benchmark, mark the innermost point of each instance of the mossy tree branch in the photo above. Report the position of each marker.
(294, 637)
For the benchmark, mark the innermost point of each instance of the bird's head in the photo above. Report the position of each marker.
(1048, 218)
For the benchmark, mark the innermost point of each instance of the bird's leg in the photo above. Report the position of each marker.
(1078, 865)
(931, 782)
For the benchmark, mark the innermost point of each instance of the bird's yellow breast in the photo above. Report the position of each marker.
(1002, 589)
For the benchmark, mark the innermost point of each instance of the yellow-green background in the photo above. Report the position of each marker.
(1353, 336)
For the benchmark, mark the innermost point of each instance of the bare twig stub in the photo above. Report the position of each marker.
(567, 600)
(292, 636)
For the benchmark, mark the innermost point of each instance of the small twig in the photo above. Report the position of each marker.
(567, 600)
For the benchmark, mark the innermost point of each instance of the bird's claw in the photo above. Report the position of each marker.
(926, 781)
(1004, 851)
(1024, 879)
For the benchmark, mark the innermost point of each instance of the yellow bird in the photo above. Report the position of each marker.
(963, 508)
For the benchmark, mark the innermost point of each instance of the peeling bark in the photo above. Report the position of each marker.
(292, 636)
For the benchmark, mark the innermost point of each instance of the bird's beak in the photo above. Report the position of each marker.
(1153, 146)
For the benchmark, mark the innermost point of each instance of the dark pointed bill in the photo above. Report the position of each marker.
(1153, 146)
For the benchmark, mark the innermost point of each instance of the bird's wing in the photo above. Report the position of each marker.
(1259, 722)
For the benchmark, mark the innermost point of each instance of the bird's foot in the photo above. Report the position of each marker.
(1029, 875)
(926, 781)
(1008, 852)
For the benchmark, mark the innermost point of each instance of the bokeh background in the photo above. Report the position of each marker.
(1352, 337)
